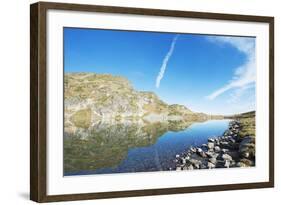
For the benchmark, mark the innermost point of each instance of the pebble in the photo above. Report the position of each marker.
(190, 167)
(178, 169)
(227, 163)
(211, 145)
(226, 157)
(211, 165)
(213, 160)
(217, 148)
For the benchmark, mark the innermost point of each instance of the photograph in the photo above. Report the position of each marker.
(141, 101)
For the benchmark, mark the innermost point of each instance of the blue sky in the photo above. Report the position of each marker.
(211, 74)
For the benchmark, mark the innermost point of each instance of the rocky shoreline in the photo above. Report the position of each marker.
(229, 150)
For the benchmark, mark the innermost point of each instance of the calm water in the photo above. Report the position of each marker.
(133, 147)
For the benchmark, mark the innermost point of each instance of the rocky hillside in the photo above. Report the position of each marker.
(91, 97)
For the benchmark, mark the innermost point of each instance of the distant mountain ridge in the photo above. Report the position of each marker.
(91, 97)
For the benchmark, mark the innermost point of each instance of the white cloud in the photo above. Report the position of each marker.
(165, 61)
(245, 75)
(237, 94)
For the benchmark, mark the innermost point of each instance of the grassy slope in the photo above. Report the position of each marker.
(248, 123)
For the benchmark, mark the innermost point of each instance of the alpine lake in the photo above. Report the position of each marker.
(133, 146)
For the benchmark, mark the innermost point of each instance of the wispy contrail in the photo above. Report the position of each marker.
(245, 75)
(165, 61)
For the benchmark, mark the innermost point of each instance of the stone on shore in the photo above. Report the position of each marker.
(183, 161)
(190, 167)
(217, 148)
(199, 150)
(228, 150)
(212, 154)
(211, 140)
(211, 145)
(227, 163)
(213, 160)
(196, 163)
(226, 157)
(193, 149)
(178, 169)
(211, 165)
(204, 145)
(224, 150)
(202, 154)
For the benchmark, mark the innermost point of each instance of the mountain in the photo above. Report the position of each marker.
(91, 97)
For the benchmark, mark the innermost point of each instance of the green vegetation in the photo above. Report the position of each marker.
(155, 108)
(179, 110)
(83, 84)
(248, 127)
(82, 118)
(248, 122)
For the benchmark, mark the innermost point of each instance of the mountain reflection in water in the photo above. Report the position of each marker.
(132, 146)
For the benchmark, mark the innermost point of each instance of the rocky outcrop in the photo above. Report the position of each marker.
(229, 150)
(103, 97)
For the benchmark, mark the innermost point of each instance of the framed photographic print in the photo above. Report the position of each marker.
(134, 102)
